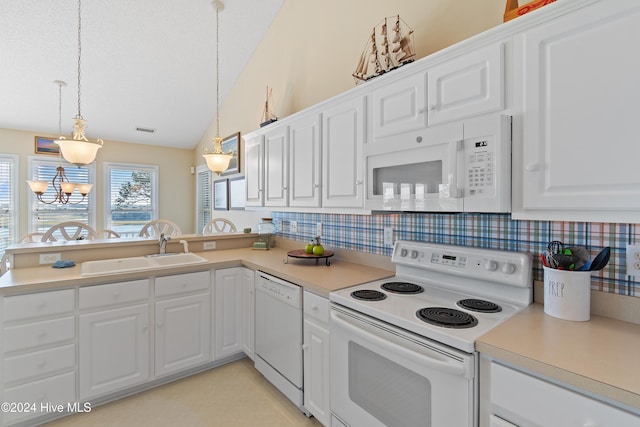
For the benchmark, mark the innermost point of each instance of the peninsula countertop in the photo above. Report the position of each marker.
(599, 356)
(317, 278)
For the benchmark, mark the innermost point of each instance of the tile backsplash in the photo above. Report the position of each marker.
(495, 231)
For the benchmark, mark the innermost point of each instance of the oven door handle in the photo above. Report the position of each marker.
(372, 333)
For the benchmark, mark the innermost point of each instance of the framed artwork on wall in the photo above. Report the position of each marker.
(237, 193)
(232, 144)
(220, 195)
(45, 145)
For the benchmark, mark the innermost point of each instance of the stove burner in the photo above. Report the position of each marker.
(368, 295)
(447, 317)
(479, 305)
(402, 288)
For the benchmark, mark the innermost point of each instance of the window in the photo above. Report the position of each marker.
(203, 197)
(44, 216)
(8, 201)
(131, 197)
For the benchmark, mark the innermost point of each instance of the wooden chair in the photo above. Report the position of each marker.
(107, 234)
(31, 238)
(70, 230)
(158, 226)
(219, 225)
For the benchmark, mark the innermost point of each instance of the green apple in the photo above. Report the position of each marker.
(318, 250)
(309, 248)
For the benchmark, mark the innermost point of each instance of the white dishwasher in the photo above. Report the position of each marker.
(278, 335)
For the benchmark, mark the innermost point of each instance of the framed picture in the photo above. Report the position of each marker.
(220, 195)
(236, 193)
(46, 146)
(232, 143)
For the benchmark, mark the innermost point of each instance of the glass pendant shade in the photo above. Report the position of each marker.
(38, 187)
(79, 153)
(218, 161)
(84, 189)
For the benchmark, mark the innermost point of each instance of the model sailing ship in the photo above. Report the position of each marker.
(268, 116)
(387, 48)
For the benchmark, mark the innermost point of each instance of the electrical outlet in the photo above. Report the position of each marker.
(293, 227)
(319, 229)
(633, 260)
(208, 246)
(388, 236)
(50, 258)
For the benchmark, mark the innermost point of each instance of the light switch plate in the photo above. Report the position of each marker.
(293, 227)
(208, 246)
(633, 260)
(388, 236)
(319, 229)
(50, 258)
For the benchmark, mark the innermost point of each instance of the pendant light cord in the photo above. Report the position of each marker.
(79, 52)
(217, 6)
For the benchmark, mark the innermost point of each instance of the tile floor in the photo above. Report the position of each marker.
(233, 395)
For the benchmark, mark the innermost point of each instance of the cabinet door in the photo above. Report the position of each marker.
(467, 86)
(182, 333)
(342, 154)
(579, 123)
(305, 162)
(227, 313)
(316, 370)
(400, 106)
(114, 349)
(253, 170)
(248, 312)
(276, 166)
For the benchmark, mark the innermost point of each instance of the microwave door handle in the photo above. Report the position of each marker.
(375, 334)
(456, 168)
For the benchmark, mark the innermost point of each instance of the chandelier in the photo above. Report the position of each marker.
(217, 160)
(79, 150)
(61, 184)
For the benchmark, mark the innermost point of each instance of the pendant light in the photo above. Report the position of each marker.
(79, 150)
(61, 184)
(217, 160)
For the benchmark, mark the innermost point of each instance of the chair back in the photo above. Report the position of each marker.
(159, 226)
(219, 225)
(70, 230)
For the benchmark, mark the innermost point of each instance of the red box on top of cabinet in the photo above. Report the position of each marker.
(512, 10)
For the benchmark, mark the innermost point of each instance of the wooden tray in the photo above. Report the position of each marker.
(513, 10)
(301, 254)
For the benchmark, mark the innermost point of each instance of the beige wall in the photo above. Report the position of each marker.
(312, 47)
(176, 184)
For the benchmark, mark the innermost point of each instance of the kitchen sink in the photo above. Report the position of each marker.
(125, 265)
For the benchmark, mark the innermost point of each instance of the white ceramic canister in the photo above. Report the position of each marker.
(567, 294)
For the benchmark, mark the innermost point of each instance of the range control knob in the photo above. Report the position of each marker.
(508, 268)
(490, 265)
(403, 252)
(414, 254)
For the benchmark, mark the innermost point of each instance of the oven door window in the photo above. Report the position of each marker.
(388, 391)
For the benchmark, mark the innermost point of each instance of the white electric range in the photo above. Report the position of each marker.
(413, 335)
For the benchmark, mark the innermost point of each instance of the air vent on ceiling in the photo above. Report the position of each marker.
(148, 130)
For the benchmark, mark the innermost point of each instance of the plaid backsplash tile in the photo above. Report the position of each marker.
(495, 231)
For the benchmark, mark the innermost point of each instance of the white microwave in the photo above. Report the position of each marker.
(460, 167)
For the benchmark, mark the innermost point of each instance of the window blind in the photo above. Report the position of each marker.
(203, 199)
(8, 217)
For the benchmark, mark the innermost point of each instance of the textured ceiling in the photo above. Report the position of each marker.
(145, 63)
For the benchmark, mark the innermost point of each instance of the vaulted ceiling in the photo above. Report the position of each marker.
(145, 64)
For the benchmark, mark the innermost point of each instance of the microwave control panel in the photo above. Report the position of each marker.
(480, 167)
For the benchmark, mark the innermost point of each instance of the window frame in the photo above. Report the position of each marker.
(33, 200)
(13, 159)
(154, 178)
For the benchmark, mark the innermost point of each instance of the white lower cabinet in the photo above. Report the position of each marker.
(114, 337)
(183, 322)
(316, 357)
(248, 312)
(520, 399)
(39, 352)
(227, 312)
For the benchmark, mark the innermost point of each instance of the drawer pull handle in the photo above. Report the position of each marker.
(314, 307)
(41, 305)
(116, 295)
(305, 347)
(41, 364)
(184, 285)
(42, 335)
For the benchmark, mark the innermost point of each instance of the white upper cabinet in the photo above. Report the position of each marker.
(575, 148)
(399, 106)
(254, 169)
(343, 133)
(466, 86)
(305, 161)
(276, 166)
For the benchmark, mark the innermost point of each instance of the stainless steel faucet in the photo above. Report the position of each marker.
(162, 242)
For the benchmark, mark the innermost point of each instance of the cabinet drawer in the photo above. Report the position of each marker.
(182, 283)
(37, 334)
(114, 293)
(60, 389)
(546, 404)
(36, 305)
(38, 363)
(316, 307)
